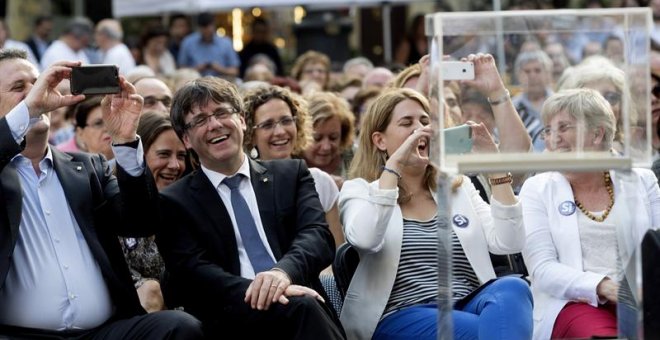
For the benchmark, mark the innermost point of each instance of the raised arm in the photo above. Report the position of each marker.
(512, 133)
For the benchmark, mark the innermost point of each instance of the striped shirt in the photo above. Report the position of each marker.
(416, 280)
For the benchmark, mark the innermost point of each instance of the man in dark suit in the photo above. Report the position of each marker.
(40, 38)
(62, 271)
(244, 240)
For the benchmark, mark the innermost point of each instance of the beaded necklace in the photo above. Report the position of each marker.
(610, 191)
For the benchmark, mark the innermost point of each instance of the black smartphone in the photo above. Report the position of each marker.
(95, 79)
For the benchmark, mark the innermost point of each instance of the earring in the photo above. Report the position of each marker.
(254, 153)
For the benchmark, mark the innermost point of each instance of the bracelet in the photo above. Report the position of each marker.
(505, 97)
(501, 180)
(392, 171)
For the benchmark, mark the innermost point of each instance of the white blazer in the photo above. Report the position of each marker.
(553, 253)
(373, 224)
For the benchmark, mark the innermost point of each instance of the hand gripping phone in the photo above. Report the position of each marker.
(94, 79)
(458, 139)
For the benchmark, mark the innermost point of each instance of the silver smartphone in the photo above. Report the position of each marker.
(457, 70)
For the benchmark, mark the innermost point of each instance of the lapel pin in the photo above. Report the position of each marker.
(265, 179)
(79, 168)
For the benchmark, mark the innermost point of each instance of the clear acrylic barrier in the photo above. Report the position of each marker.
(504, 34)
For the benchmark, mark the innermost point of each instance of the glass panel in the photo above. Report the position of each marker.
(545, 44)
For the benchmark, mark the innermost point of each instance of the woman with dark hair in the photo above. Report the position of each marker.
(154, 50)
(279, 127)
(166, 159)
(414, 45)
(90, 133)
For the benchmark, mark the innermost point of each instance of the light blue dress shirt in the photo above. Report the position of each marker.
(54, 282)
(194, 52)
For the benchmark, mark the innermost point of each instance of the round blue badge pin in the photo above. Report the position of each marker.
(567, 208)
(460, 221)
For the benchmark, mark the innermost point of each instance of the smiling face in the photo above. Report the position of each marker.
(18, 76)
(94, 135)
(325, 147)
(166, 158)
(407, 116)
(565, 134)
(218, 142)
(277, 142)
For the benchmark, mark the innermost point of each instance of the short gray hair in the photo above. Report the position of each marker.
(357, 61)
(585, 105)
(528, 57)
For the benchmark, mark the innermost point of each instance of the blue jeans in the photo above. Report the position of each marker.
(502, 310)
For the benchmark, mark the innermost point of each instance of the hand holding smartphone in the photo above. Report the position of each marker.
(95, 79)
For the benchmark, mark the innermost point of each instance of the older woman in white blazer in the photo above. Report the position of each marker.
(389, 214)
(582, 226)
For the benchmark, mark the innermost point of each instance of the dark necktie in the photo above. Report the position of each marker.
(255, 248)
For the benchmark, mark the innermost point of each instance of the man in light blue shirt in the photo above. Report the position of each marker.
(208, 53)
(62, 273)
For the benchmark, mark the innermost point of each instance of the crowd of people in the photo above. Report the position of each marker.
(208, 197)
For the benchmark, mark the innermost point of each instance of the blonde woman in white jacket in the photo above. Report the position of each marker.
(582, 225)
(389, 214)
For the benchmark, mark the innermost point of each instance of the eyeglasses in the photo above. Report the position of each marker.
(151, 101)
(561, 128)
(313, 70)
(97, 124)
(613, 98)
(271, 124)
(202, 119)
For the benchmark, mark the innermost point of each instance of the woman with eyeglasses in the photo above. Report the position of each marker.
(90, 133)
(600, 74)
(582, 226)
(312, 71)
(279, 127)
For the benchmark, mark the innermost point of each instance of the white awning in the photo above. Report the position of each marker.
(128, 8)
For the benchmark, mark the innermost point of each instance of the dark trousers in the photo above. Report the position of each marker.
(159, 325)
(302, 318)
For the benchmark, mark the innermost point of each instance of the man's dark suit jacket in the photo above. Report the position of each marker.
(199, 245)
(33, 46)
(104, 206)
